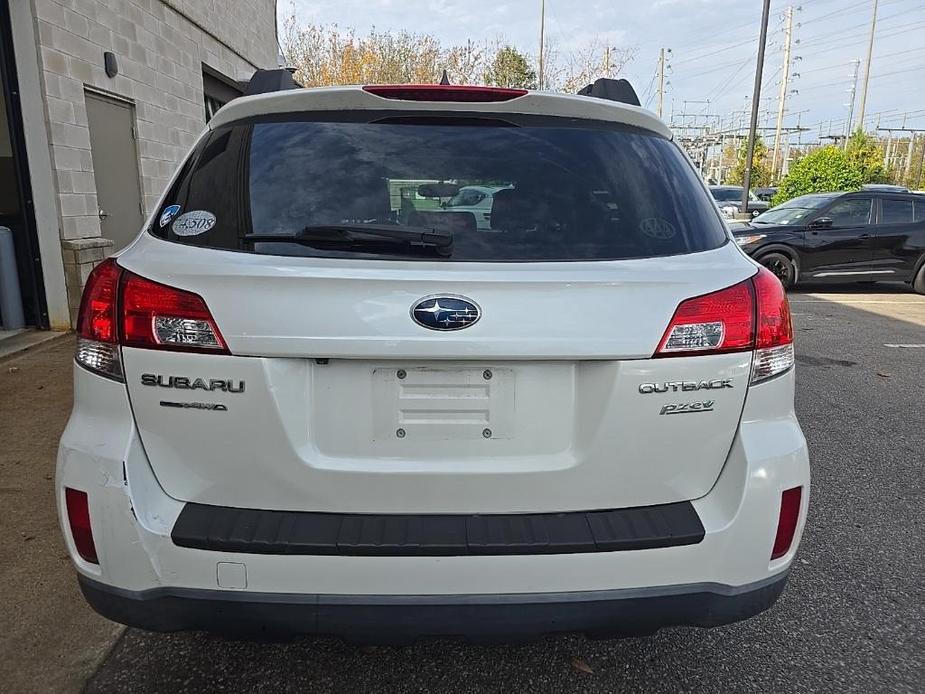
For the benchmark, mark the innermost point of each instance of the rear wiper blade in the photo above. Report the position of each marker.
(310, 235)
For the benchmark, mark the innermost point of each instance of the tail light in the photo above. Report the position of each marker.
(156, 316)
(120, 308)
(774, 338)
(750, 316)
(787, 522)
(443, 92)
(98, 322)
(78, 518)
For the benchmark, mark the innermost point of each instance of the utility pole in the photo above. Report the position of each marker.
(888, 151)
(607, 61)
(782, 97)
(907, 169)
(661, 81)
(918, 178)
(756, 98)
(870, 53)
(852, 92)
(541, 83)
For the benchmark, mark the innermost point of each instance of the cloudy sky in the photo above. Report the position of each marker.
(713, 47)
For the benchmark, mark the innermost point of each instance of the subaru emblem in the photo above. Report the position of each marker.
(445, 312)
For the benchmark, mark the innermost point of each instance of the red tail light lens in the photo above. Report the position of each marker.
(787, 522)
(774, 327)
(723, 321)
(98, 318)
(98, 322)
(774, 334)
(155, 316)
(751, 315)
(439, 92)
(78, 518)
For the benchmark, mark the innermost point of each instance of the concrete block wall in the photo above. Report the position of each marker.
(160, 46)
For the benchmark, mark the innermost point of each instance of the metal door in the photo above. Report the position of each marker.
(843, 250)
(115, 168)
(893, 239)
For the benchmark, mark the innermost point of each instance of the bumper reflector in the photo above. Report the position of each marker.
(787, 523)
(78, 517)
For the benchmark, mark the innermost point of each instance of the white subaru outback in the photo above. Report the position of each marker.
(312, 397)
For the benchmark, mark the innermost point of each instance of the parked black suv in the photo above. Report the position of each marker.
(841, 237)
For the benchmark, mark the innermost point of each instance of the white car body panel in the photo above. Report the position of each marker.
(579, 436)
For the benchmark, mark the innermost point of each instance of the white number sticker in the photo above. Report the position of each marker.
(193, 223)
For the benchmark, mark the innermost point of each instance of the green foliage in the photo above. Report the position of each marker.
(865, 154)
(510, 68)
(822, 170)
(761, 167)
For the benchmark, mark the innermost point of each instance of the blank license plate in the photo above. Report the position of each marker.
(443, 404)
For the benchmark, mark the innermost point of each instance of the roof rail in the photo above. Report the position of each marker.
(612, 90)
(264, 81)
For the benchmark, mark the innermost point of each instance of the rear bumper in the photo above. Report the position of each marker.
(401, 618)
(146, 579)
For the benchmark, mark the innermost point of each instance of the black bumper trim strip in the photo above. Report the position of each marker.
(255, 531)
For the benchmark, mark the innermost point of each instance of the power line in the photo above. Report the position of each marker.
(878, 57)
(838, 38)
(712, 53)
(840, 11)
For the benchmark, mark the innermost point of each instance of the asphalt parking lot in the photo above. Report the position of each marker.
(851, 618)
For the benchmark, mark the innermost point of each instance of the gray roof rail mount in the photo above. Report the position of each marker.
(264, 81)
(613, 90)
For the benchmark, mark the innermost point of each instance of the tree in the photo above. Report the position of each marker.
(510, 68)
(326, 54)
(568, 72)
(761, 167)
(822, 170)
(866, 154)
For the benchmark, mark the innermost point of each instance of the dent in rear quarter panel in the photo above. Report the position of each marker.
(100, 454)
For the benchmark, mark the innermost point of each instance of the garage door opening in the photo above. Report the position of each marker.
(22, 297)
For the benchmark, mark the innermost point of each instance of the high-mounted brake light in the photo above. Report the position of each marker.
(750, 315)
(443, 92)
(78, 518)
(156, 316)
(787, 521)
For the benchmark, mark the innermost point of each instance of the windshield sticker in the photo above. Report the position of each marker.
(193, 223)
(169, 213)
(656, 228)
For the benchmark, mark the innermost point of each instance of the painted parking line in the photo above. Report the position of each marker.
(839, 300)
(901, 346)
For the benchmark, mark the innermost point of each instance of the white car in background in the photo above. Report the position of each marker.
(295, 414)
(476, 200)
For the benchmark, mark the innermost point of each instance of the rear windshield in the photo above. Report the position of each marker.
(532, 190)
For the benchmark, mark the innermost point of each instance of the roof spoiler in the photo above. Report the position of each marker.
(264, 81)
(612, 90)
